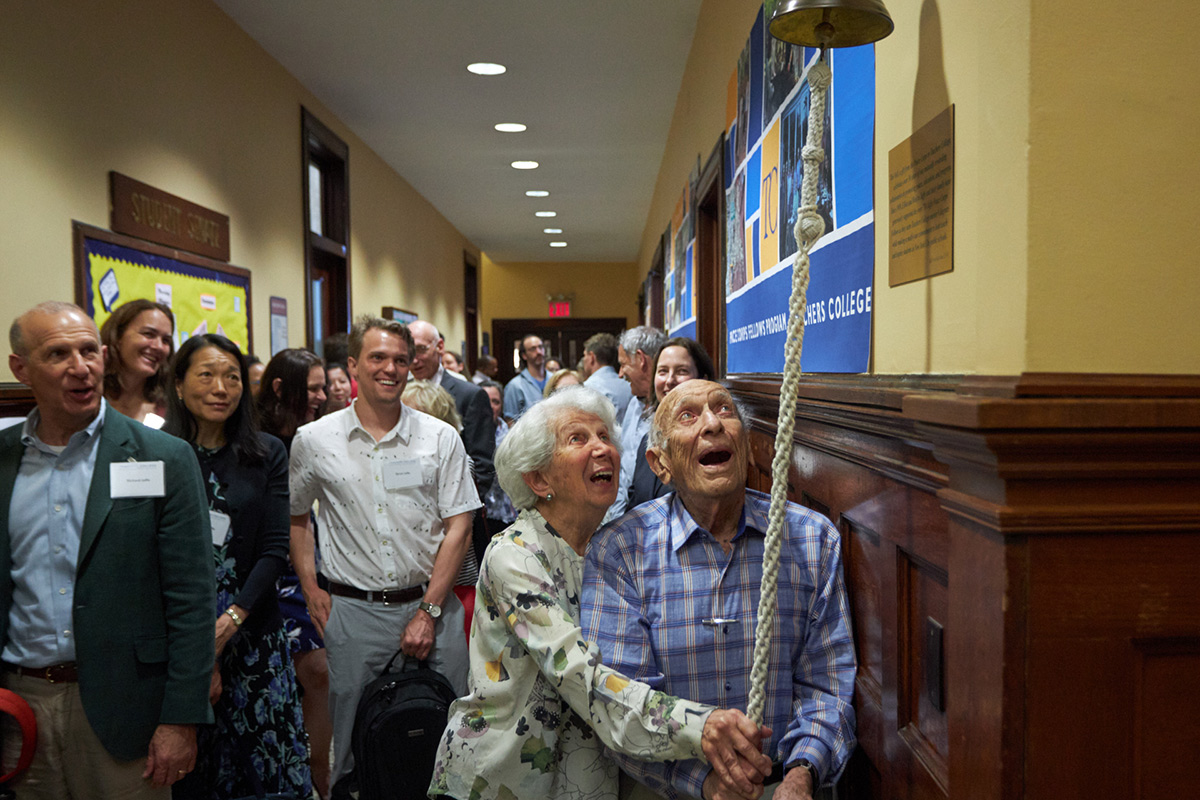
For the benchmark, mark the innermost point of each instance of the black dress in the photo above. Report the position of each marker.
(645, 485)
(259, 708)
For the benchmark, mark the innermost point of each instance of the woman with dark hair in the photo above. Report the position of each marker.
(259, 724)
(139, 336)
(293, 390)
(339, 389)
(292, 393)
(680, 359)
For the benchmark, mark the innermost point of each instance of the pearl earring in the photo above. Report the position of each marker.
(549, 497)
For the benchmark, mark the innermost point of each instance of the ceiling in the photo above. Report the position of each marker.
(595, 83)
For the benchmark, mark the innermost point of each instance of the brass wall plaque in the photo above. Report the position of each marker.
(921, 202)
(154, 215)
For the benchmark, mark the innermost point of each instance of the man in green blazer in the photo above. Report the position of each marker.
(106, 576)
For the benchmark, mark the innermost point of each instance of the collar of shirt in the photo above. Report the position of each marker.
(436, 380)
(541, 385)
(401, 430)
(683, 527)
(29, 437)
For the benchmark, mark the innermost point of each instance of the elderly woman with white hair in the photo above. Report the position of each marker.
(541, 705)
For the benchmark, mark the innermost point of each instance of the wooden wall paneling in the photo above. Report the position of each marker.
(1051, 524)
(1166, 725)
(862, 466)
(1094, 502)
(16, 400)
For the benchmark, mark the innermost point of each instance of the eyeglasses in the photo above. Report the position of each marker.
(422, 349)
(535, 348)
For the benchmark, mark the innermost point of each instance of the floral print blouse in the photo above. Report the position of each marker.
(542, 706)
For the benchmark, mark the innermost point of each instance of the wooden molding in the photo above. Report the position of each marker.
(1049, 524)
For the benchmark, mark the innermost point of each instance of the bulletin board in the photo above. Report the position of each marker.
(767, 103)
(206, 296)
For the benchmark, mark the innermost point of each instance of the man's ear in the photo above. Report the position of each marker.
(16, 364)
(659, 464)
(352, 367)
(537, 483)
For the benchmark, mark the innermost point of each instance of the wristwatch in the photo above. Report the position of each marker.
(812, 772)
(430, 609)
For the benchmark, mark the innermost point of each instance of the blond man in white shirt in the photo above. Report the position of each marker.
(396, 502)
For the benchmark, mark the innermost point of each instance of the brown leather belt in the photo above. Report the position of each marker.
(67, 672)
(385, 596)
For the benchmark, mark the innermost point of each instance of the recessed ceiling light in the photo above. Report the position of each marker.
(537, 193)
(551, 230)
(485, 68)
(545, 213)
(558, 244)
(510, 127)
(525, 165)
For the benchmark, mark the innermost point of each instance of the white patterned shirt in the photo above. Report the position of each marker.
(541, 706)
(382, 502)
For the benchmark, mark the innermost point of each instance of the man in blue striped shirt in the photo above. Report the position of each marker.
(671, 594)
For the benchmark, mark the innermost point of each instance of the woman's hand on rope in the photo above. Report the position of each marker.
(732, 743)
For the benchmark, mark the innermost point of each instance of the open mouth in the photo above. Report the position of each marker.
(715, 457)
(604, 476)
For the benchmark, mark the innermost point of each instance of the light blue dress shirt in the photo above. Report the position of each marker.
(45, 523)
(633, 427)
(607, 382)
(522, 392)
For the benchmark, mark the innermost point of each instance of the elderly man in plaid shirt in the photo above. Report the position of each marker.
(671, 594)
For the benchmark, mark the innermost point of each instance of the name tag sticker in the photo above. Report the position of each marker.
(136, 479)
(220, 526)
(402, 474)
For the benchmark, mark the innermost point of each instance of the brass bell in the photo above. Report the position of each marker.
(830, 23)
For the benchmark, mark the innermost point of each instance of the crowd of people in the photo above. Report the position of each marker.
(196, 610)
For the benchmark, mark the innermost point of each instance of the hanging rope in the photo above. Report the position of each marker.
(809, 228)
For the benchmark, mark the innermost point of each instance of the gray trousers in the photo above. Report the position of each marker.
(360, 639)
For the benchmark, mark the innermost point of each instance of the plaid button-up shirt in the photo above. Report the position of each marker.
(667, 606)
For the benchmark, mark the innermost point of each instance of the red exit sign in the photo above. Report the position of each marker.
(560, 308)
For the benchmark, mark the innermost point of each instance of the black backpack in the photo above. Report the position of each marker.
(399, 722)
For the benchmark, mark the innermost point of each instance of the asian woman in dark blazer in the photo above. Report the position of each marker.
(259, 724)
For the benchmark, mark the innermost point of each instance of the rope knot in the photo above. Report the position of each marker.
(819, 77)
(809, 227)
(812, 154)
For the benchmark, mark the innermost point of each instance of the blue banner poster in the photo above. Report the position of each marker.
(762, 202)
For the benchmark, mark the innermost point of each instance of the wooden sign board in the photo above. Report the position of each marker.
(921, 202)
(154, 215)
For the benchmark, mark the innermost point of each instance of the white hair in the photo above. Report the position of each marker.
(530, 444)
(645, 338)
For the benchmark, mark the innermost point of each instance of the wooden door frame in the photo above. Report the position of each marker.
(710, 256)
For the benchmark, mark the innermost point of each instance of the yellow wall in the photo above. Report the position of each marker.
(518, 291)
(177, 96)
(1114, 166)
(1076, 186)
(699, 117)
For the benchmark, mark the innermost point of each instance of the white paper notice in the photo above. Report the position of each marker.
(402, 474)
(136, 479)
(220, 526)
